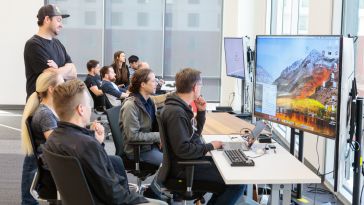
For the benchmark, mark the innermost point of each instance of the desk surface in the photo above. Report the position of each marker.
(224, 123)
(272, 168)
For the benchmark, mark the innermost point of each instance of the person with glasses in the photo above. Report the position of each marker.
(183, 130)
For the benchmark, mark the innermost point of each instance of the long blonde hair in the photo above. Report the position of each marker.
(44, 81)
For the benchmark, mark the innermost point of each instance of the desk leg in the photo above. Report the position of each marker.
(274, 196)
(249, 191)
(287, 194)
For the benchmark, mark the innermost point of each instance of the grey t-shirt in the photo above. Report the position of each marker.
(43, 120)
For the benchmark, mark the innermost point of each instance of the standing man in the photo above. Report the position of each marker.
(44, 52)
(183, 135)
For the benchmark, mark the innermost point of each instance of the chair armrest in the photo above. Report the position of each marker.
(136, 147)
(189, 170)
(194, 162)
(140, 143)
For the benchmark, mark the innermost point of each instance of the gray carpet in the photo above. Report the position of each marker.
(11, 159)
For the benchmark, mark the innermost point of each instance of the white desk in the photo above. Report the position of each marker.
(167, 86)
(280, 168)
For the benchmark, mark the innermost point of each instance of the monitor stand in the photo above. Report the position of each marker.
(297, 197)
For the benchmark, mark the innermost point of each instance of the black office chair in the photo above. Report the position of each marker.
(43, 187)
(139, 169)
(69, 177)
(187, 188)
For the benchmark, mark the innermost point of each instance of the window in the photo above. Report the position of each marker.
(193, 20)
(116, 18)
(193, 1)
(168, 21)
(82, 32)
(143, 19)
(90, 18)
(303, 17)
(96, 30)
(195, 41)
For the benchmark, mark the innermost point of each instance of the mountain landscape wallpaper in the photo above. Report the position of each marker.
(301, 74)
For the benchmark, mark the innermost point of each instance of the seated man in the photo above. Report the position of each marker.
(137, 117)
(93, 83)
(113, 93)
(184, 130)
(72, 138)
(133, 63)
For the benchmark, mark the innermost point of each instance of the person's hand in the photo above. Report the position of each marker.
(52, 64)
(161, 82)
(216, 144)
(200, 104)
(124, 95)
(121, 86)
(99, 131)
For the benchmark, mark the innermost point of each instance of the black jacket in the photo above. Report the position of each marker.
(106, 186)
(183, 140)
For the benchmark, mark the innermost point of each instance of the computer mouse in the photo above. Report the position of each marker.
(259, 151)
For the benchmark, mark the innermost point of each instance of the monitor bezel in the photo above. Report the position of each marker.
(262, 116)
(244, 58)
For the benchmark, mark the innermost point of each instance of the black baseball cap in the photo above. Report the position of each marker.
(50, 10)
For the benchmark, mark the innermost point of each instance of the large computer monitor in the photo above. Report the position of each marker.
(298, 82)
(234, 57)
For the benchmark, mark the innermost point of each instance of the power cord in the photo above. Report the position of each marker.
(361, 193)
(233, 98)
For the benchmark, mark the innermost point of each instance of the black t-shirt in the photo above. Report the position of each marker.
(95, 81)
(37, 52)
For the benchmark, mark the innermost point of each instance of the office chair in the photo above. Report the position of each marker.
(41, 191)
(69, 177)
(188, 188)
(139, 169)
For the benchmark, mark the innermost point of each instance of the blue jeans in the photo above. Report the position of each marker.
(153, 156)
(29, 169)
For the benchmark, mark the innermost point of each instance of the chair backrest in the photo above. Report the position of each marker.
(165, 168)
(113, 118)
(99, 101)
(28, 123)
(69, 178)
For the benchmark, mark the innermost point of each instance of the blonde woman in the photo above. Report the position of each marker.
(40, 106)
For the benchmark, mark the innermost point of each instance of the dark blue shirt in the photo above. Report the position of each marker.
(149, 106)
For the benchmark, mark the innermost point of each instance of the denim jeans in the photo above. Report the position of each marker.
(153, 156)
(29, 169)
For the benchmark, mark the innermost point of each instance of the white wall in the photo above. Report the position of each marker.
(241, 18)
(18, 22)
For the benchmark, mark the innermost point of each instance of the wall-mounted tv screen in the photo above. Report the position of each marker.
(298, 82)
(234, 57)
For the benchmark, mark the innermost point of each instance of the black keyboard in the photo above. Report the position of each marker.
(237, 158)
